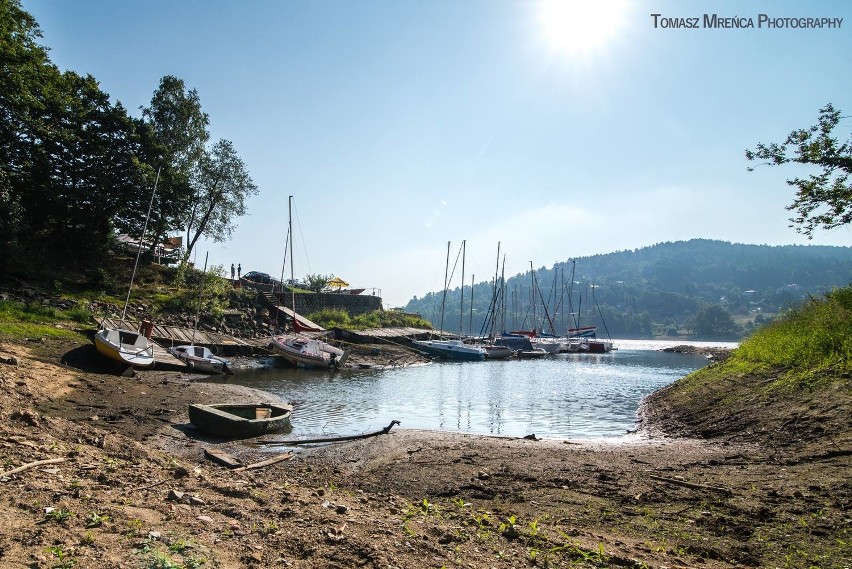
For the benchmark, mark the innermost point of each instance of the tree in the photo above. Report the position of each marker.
(714, 322)
(823, 200)
(222, 185)
(317, 282)
(179, 129)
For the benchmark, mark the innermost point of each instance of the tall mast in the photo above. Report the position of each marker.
(200, 294)
(503, 296)
(470, 321)
(461, 304)
(139, 250)
(532, 294)
(494, 293)
(444, 299)
(292, 274)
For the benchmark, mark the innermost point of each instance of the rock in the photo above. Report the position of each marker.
(196, 501)
(482, 475)
(205, 519)
(176, 495)
(180, 472)
(341, 509)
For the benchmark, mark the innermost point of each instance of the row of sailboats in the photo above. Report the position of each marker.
(491, 344)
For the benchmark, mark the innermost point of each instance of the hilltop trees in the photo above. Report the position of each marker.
(75, 167)
(823, 200)
(67, 166)
(204, 188)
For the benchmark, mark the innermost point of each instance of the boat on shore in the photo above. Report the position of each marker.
(130, 347)
(200, 359)
(240, 421)
(302, 351)
(125, 346)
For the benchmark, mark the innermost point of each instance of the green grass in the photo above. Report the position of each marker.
(336, 318)
(809, 344)
(812, 340)
(19, 320)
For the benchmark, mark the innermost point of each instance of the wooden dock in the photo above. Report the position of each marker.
(168, 336)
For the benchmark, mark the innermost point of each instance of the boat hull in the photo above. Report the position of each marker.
(236, 421)
(303, 352)
(125, 346)
(200, 359)
(450, 349)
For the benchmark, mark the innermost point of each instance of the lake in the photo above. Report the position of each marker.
(563, 396)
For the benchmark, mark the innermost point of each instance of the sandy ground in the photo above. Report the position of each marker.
(130, 487)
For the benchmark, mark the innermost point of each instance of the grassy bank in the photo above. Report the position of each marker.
(787, 382)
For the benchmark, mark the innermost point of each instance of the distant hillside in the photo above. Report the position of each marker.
(699, 288)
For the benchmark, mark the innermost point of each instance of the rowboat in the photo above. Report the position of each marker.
(240, 421)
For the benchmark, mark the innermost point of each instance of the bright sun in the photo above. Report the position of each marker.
(581, 27)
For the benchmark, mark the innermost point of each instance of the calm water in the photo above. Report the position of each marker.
(564, 396)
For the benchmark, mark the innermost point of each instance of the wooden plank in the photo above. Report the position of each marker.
(267, 462)
(222, 457)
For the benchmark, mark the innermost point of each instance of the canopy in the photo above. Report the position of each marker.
(337, 282)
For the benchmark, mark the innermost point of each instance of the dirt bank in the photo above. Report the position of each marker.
(131, 488)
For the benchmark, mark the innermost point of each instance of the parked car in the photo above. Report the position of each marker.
(260, 278)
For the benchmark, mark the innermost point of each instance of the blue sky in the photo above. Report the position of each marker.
(401, 125)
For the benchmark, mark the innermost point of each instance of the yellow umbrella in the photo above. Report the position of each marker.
(337, 282)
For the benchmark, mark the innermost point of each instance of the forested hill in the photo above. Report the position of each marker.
(699, 288)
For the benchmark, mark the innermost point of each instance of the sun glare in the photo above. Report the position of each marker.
(581, 27)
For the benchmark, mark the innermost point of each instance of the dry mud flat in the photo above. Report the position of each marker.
(130, 487)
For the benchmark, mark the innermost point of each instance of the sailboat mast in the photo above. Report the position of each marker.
(200, 295)
(470, 320)
(444, 298)
(461, 304)
(494, 294)
(292, 274)
(139, 250)
(532, 294)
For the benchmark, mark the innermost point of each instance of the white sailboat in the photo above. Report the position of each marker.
(120, 344)
(199, 358)
(451, 349)
(301, 350)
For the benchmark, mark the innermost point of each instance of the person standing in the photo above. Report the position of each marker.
(232, 271)
(239, 270)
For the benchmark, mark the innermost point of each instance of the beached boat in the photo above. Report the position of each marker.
(307, 352)
(301, 350)
(200, 359)
(240, 421)
(129, 347)
(125, 346)
(450, 349)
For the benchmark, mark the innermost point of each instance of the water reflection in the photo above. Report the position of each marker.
(570, 395)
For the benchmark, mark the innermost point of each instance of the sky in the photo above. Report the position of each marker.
(558, 129)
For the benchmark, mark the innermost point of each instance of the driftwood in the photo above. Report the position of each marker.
(691, 485)
(222, 457)
(384, 431)
(31, 465)
(267, 462)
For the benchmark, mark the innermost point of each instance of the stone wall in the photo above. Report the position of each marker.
(354, 304)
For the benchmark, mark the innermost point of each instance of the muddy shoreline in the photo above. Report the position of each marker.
(134, 489)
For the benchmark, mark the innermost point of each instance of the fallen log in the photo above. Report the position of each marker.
(384, 431)
(31, 465)
(691, 485)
